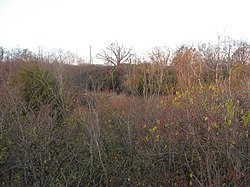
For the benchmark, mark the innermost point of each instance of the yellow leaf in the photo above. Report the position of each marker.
(157, 138)
(205, 118)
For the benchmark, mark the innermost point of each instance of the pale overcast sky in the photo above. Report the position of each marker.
(143, 24)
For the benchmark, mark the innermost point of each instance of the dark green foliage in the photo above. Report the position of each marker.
(38, 86)
(140, 87)
(161, 81)
(85, 81)
(94, 79)
(101, 78)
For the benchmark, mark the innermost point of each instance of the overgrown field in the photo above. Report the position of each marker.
(63, 125)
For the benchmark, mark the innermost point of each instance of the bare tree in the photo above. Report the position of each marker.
(115, 54)
(242, 53)
(188, 65)
(159, 55)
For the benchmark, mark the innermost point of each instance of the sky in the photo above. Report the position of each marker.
(142, 24)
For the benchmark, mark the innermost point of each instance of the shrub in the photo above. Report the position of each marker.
(39, 87)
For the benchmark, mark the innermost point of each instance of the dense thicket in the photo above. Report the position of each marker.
(177, 118)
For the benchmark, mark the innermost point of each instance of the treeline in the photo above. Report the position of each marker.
(170, 118)
(161, 71)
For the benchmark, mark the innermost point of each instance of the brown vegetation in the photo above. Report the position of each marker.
(180, 119)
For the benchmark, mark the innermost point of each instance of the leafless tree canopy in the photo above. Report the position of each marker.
(159, 55)
(115, 54)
